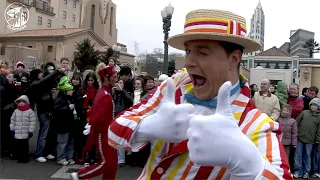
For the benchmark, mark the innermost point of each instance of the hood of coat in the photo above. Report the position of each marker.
(34, 74)
(19, 63)
(45, 68)
(281, 87)
(22, 98)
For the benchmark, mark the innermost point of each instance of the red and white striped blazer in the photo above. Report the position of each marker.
(171, 161)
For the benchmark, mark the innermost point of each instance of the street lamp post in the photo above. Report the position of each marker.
(116, 50)
(166, 14)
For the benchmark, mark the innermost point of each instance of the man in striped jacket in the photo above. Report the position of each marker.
(203, 121)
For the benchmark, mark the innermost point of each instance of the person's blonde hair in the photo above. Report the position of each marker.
(4, 62)
(98, 68)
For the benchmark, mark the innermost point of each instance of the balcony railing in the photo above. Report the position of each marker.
(43, 7)
(24, 2)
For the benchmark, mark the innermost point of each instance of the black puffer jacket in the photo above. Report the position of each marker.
(46, 73)
(122, 101)
(63, 115)
(40, 90)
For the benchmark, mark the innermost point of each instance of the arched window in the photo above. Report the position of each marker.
(93, 15)
(111, 21)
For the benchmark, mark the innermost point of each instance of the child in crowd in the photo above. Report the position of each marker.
(64, 122)
(309, 134)
(282, 93)
(289, 129)
(23, 122)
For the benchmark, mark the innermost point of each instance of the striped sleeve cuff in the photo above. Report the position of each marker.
(269, 172)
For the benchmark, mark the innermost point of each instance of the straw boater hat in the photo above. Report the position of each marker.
(206, 24)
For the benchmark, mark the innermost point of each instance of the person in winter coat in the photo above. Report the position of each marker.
(64, 118)
(24, 84)
(90, 86)
(11, 95)
(126, 75)
(19, 66)
(309, 134)
(122, 101)
(78, 99)
(294, 100)
(40, 93)
(289, 129)
(101, 117)
(139, 90)
(282, 93)
(23, 122)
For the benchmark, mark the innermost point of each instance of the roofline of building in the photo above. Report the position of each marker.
(122, 45)
(300, 30)
(58, 37)
(84, 31)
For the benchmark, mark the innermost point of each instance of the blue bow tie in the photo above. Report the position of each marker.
(191, 98)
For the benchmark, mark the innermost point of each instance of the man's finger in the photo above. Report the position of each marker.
(170, 91)
(224, 104)
(185, 108)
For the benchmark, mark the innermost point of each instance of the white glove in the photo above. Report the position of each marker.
(170, 122)
(87, 126)
(216, 140)
(87, 131)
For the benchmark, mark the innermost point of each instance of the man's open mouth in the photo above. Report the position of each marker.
(198, 80)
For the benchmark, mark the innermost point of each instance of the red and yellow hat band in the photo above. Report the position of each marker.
(216, 25)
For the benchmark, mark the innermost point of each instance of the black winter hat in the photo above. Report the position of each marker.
(34, 74)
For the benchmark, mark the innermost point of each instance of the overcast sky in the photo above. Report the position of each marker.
(141, 21)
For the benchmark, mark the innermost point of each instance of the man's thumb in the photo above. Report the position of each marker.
(170, 91)
(224, 104)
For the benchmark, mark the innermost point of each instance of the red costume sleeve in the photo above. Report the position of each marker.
(102, 113)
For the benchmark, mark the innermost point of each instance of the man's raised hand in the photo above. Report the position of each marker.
(171, 121)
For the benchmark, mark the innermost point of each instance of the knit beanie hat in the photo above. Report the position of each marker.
(64, 84)
(315, 101)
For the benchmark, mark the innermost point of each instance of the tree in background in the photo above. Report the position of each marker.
(86, 56)
(107, 54)
(312, 46)
(171, 67)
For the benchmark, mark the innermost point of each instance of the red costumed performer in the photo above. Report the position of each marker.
(101, 117)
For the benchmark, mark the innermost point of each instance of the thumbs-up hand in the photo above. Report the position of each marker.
(216, 140)
(171, 121)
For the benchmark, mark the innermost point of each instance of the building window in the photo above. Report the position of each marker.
(64, 15)
(65, 1)
(74, 3)
(111, 22)
(50, 48)
(29, 46)
(49, 23)
(63, 26)
(3, 50)
(93, 14)
(73, 17)
(39, 20)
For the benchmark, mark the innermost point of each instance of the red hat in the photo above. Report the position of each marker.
(108, 71)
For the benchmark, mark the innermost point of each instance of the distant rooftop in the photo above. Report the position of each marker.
(45, 32)
(274, 51)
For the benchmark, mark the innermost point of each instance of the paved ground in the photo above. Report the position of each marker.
(10, 169)
(34, 170)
